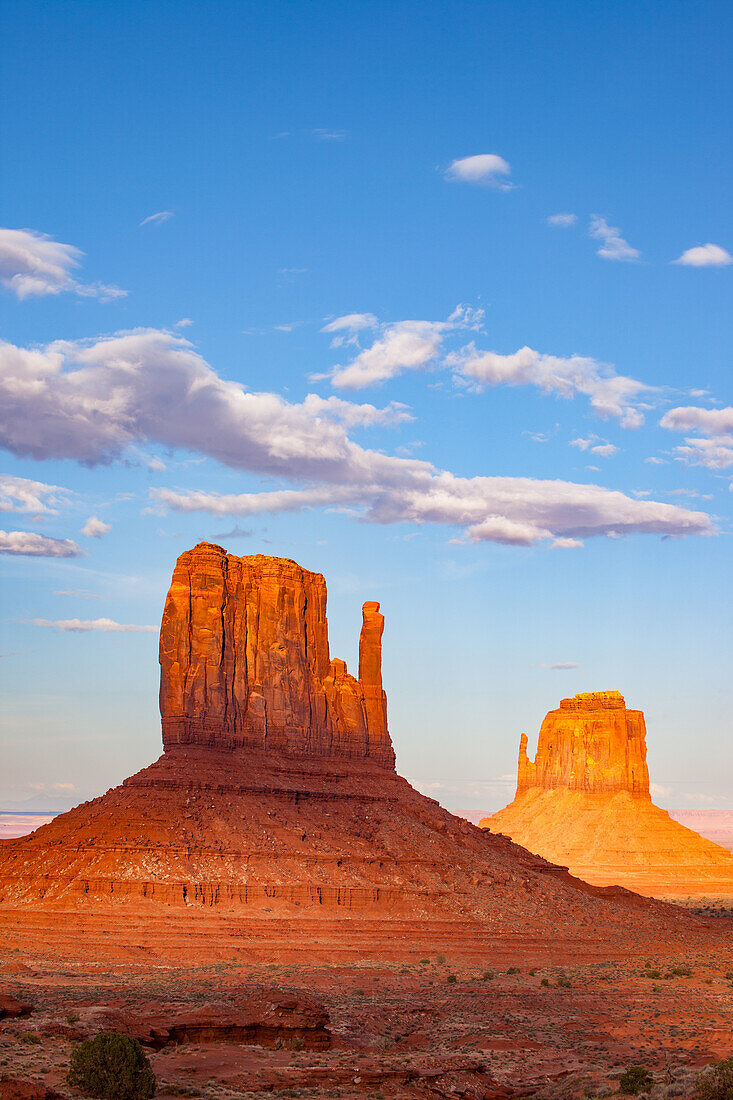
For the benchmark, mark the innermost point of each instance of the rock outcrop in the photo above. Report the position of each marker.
(584, 802)
(245, 662)
(276, 798)
(590, 743)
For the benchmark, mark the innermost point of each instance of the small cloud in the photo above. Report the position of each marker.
(321, 134)
(94, 528)
(705, 255)
(605, 450)
(487, 169)
(28, 544)
(236, 533)
(653, 461)
(581, 444)
(659, 791)
(159, 218)
(84, 626)
(184, 322)
(77, 593)
(562, 666)
(562, 221)
(292, 270)
(157, 465)
(614, 247)
(19, 494)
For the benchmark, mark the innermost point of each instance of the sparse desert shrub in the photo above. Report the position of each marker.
(487, 975)
(440, 959)
(545, 982)
(513, 970)
(715, 1082)
(451, 979)
(72, 1018)
(564, 982)
(112, 1067)
(652, 973)
(297, 1043)
(532, 972)
(681, 971)
(634, 1080)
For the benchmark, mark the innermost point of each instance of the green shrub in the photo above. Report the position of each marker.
(716, 1082)
(681, 971)
(487, 975)
(451, 978)
(652, 973)
(634, 1080)
(113, 1067)
(564, 982)
(545, 982)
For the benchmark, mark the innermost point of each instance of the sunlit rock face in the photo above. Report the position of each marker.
(245, 661)
(590, 743)
(584, 802)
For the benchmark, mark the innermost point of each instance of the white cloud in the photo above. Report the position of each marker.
(485, 168)
(94, 528)
(358, 416)
(705, 255)
(159, 218)
(18, 494)
(563, 666)
(83, 626)
(714, 445)
(400, 346)
(562, 221)
(94, 401)
(611, 395)
(614, 247)
(605, 450)
(33, 265)
(31, 545)
(185, 322)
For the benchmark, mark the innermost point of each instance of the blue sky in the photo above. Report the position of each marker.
(519, 434)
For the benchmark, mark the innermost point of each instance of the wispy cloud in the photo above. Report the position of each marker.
(399, 346)
(84, 626)
(487, 169)
(611, 395)
(33, 265)
(77, 593)
(321, 133)
(29, 544)
(19, 494)
(614, 247)
(562, 221)
(159, 218)
(562, 666)
(705, 255)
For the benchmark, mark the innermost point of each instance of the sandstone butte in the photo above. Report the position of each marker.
(276, 805)
(584, 802)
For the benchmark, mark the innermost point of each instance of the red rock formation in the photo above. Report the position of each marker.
(245, 661)
(590, 743)
(276, 796)
(584, 802)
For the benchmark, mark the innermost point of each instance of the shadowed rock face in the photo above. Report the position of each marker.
(584, 802)
(590, 743)
(245, 662)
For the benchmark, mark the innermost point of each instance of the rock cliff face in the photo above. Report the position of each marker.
(584, 803)
(590, 743)
(245, 662)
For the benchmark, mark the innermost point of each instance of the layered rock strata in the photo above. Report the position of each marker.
(276, 796)
(584, 802)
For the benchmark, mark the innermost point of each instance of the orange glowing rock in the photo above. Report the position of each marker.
(584, 802)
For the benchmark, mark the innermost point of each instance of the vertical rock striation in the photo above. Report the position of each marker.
(590, 743)
(245, 662)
